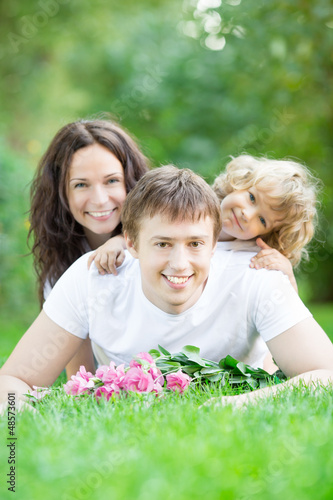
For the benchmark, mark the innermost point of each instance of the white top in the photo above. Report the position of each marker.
(47, 285)
(238, 308)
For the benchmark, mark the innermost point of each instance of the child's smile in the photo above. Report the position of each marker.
(247, 214)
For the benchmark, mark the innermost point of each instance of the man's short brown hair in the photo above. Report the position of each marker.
(177, 194)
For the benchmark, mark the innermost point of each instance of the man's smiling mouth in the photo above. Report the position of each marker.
(177, 280)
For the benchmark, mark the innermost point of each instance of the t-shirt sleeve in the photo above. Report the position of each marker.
(275, 307)
(67, 303)
(47, 289)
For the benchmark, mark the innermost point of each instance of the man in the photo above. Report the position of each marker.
(172, 291)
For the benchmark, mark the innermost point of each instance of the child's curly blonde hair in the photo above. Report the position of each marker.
(291, 189)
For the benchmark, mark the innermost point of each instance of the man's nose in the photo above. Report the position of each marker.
(178, 260)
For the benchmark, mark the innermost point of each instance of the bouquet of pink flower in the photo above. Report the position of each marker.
(142, 375)
(160, 370)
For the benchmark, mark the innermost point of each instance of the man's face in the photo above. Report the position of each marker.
(174, 260)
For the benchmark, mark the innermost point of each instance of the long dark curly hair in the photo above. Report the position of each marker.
(58, 240)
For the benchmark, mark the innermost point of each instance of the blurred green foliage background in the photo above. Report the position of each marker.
(195, 81)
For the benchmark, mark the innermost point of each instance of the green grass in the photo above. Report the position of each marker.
(145, 448)
(323, 314)
(140, 448)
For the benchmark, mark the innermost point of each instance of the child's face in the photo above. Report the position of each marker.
(247, 214)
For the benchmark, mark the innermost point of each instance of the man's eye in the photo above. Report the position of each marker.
(252, 197)
(195, 244)
(162, 244)
(262, 220)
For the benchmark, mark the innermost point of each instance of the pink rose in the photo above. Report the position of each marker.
(158, 387)
(84, 374)
(178, 381)
(78, 385)
(111, 374)
(106, 391)
(138, 381)
(156, 374)
(106, 373)
(39, 392)
(143, 356)
(149, 364)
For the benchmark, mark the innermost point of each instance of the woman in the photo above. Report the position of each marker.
(76, 199)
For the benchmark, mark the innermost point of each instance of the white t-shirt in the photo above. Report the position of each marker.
(237, 309)
(47, 285)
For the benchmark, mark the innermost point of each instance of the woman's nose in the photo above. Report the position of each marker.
(99, 195)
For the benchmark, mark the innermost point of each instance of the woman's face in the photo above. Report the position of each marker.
(96, 190)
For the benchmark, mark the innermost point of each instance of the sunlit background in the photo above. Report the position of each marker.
(193, 81)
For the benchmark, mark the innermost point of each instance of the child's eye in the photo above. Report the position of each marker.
(252, 197)
(262, 220)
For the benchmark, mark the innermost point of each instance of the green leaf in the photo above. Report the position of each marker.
(190, 370)
(216, 377)
(155, 353)
(252, 382)
(163, 351)
(166, 366)
(228, 362)
(207, 370)
(192, 353)
(242, 368)
(190, 349)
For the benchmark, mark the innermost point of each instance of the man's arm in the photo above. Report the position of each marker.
(304, 347)
(39, 357)
(303, 352)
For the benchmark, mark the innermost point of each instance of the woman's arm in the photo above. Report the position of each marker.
(109, 256)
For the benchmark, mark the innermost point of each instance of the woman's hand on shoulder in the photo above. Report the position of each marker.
(270, 258)
(109, 256)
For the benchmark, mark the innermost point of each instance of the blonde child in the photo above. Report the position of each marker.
(272, 203)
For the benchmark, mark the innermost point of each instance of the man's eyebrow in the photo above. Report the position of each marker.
(194, 237)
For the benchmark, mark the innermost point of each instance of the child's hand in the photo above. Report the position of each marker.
(269, 258)
(109, 256)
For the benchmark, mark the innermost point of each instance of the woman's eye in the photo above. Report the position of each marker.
(252, 198)
(262, 220)
(112, 181)
(79, 185)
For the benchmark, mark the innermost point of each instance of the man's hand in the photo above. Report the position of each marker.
(239, 401)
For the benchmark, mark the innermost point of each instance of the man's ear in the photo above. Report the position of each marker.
(130, 246)
(214, 248)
